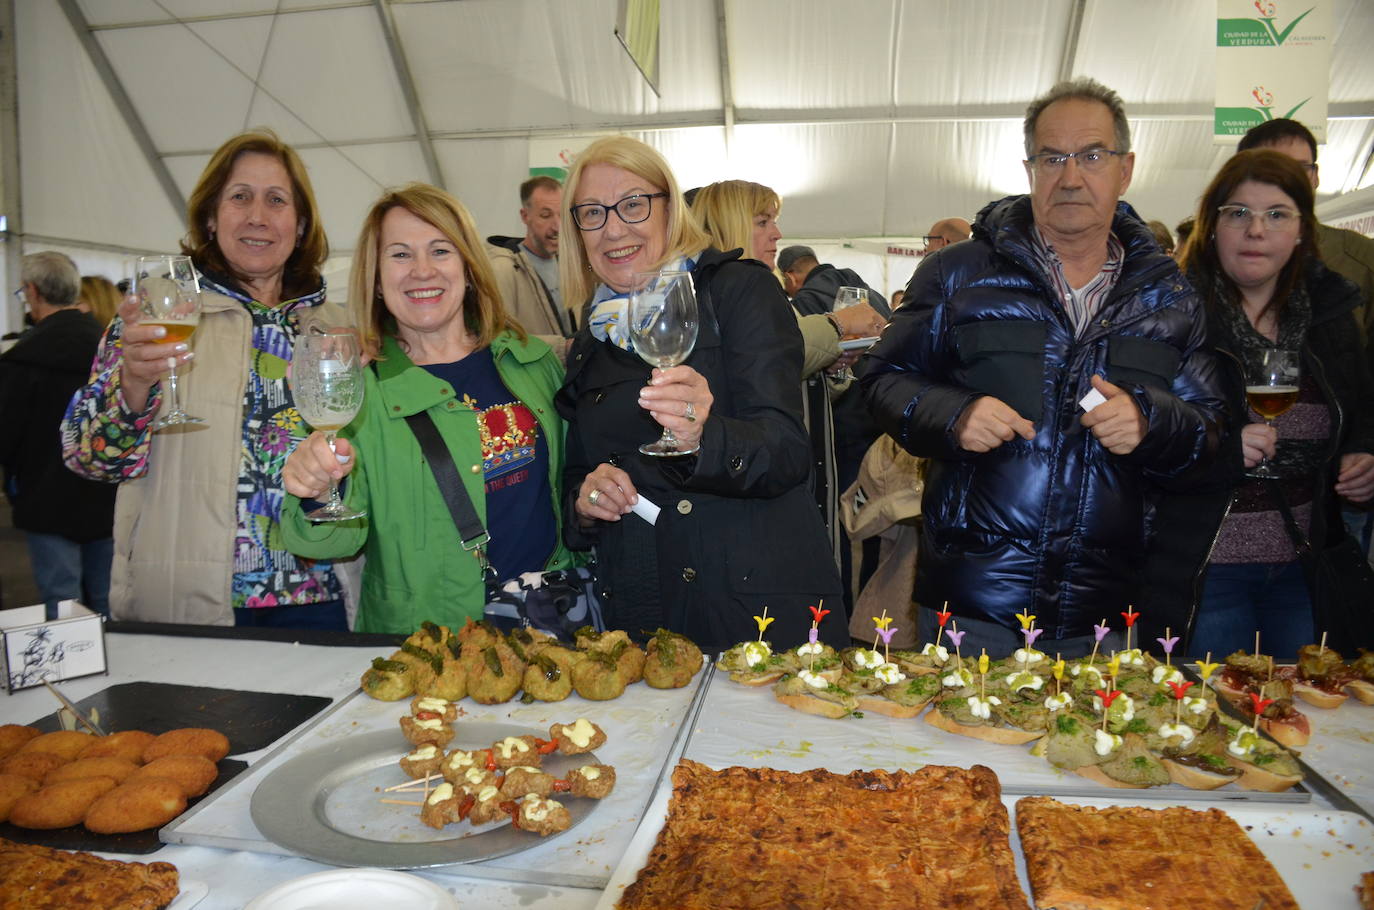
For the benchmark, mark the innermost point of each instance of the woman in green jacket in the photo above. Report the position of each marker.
(440, 341)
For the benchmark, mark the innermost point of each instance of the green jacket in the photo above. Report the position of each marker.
(416, 568)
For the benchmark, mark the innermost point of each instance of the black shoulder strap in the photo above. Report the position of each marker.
(1301, 545)
(475, 537)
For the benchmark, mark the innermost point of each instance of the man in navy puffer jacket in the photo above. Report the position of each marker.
(1035, 504)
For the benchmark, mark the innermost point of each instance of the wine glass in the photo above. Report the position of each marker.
(327, 383)
(168, 291)
(663, 326)
(848, 297)
(1271, 388)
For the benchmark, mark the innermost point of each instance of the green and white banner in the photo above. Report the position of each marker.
(1273, 60)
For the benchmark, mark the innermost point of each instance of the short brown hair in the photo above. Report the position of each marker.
(301, 274)
(1200, 252)
(540, 182)
(483, 313)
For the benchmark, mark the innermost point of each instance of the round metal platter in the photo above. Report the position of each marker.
(326, 805)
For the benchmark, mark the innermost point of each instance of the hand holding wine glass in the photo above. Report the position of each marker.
(327, 383)
(167, 290)
(1271, 388)
(663, 327)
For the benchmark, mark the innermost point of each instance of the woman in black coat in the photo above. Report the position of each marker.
(737, 531)
(1223, 564)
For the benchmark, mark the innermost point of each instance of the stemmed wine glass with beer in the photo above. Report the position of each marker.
(327, 384)
(168, 292)
(1271, 388)
(663, 326)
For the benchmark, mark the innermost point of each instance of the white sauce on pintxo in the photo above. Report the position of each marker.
(424, 753)
(1056, 702)
(510, 745)
(756, 652)
(1163, 675)
(814, 680)
(1104, 742)
(580, 733)
(889, 674)
(810, 648)
(982, 707)
(939, 652)
(442, 792)
(1182, 731)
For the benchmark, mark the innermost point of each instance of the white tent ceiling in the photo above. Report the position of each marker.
(873, 118)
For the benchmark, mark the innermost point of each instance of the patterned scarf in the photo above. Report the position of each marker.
(1294, 457)
(610, 312)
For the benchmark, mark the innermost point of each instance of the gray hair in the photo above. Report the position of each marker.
(1084, 88)
(54, 275)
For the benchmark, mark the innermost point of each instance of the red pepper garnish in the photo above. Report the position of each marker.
(1180, 688)
(944, 617)
(1107, 696)
(513, 809)
(466, 806)
(545, 746)
(819, 614)
(561, 786)
(425, 715)
(1259, 701)
(1130, 618)
(491, 760)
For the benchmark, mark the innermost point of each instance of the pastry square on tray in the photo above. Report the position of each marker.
(761, 838)
(1130, 858)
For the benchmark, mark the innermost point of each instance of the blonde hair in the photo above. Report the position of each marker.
(727, 211)
(483, 313)
(685, 236)
(100, 294)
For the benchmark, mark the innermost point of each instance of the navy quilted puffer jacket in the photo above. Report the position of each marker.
(1055, 525)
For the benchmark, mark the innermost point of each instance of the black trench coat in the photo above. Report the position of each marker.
(738, 529)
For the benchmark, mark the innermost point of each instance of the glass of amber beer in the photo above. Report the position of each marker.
(168, 291)
(1271, 389)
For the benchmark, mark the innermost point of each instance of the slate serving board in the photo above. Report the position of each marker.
(251, 721)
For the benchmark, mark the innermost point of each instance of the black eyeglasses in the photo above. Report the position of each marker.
(1091, 160)
(591, 216)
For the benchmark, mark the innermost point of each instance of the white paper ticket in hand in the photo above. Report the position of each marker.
(645, 510)
(1092, 400)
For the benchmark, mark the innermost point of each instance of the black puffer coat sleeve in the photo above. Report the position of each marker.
(914, 409)
(1185, 423)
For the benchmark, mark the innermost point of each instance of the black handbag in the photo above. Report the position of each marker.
(558, 602)
(1341, 585)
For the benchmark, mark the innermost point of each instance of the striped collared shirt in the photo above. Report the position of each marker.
(1079, 303)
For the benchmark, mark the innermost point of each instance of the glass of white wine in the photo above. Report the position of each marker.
(1271, 388)
(663, 326)
(168, 292)
(327, 384)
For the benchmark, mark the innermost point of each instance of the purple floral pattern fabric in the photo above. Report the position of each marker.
(104, 440)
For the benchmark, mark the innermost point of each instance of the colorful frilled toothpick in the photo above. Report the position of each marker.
(943, 616)
(1108, 695)
(1180, 690)
(1099, 632)
(886, 635)
(983, 675)
(1057, 671)
(880, 623)
(1130, 616)
(1167, 643)
(1259, 702)
(763, 621)
(1031, 635)
(956, 636)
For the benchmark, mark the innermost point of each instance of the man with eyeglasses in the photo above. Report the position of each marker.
(1052, 369)
(946, 231)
